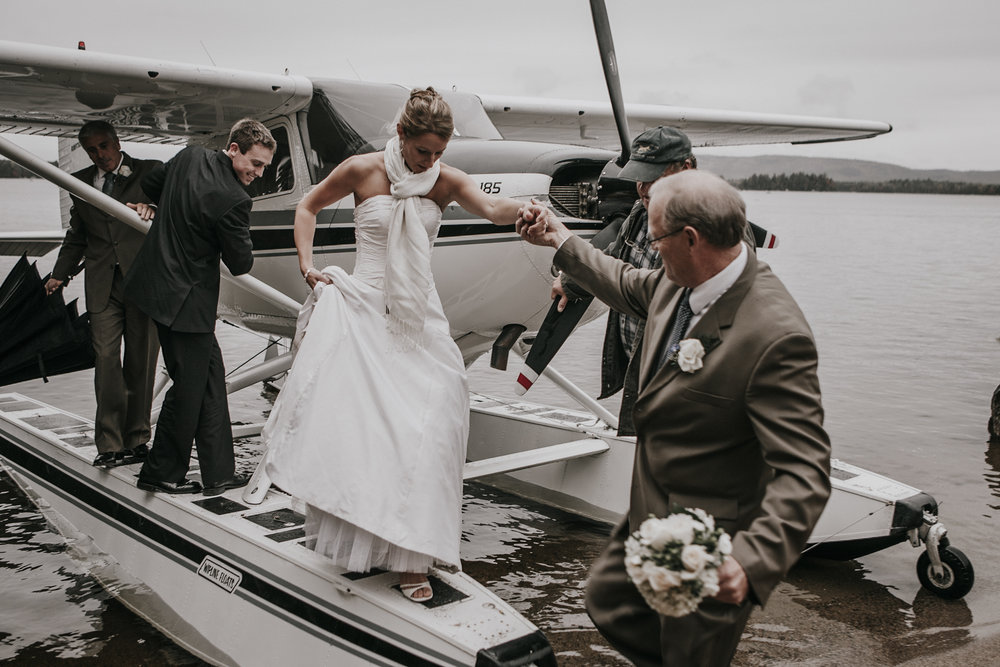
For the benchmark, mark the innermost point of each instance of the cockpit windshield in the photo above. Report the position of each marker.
(350, 117)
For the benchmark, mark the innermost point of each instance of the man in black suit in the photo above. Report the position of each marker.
(204, 215)
(108, 247)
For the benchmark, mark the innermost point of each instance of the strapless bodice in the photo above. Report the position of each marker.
(371, 220)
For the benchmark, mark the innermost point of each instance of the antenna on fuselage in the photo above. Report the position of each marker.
(351, 65)
(205, 48)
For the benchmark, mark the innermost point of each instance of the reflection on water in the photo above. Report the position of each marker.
(992, 474)
(50, 609)
(908, 629)
(57, 605)
(538, 558)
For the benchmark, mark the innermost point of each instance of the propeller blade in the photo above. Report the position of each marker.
(762, 238)
(554, 331)
(556, 327)
(609, 62)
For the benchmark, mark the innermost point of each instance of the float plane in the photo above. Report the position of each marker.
(243, 551)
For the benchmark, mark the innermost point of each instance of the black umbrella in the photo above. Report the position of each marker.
(40, 335)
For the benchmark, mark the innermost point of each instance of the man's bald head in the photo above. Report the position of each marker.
(703, 201)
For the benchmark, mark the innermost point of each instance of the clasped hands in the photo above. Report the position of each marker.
(538, 225)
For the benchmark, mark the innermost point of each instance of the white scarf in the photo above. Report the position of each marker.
(408, 253)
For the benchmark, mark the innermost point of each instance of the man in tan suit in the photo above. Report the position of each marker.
(108, 248)
(736, 431)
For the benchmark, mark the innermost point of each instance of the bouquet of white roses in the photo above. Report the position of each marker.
(674, 561)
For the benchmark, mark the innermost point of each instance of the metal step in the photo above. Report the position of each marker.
(535, 457)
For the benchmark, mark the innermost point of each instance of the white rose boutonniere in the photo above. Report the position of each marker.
(125, 171)
(690, 354)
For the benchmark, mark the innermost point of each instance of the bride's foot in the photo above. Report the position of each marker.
(415, 586)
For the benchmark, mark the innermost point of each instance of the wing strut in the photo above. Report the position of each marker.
(122, 212)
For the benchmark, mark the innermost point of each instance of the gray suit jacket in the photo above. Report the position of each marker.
(101, 240)
(743, 437)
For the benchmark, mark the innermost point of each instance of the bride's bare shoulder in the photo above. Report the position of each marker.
(452, 177)
(365, 163)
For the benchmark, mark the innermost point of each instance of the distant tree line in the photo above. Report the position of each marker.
(798, 181)
(10, 169)
(823, 183)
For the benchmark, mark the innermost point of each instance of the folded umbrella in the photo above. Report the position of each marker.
(40, 335)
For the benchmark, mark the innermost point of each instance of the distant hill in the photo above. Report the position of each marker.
(841, 170)
(739, 168)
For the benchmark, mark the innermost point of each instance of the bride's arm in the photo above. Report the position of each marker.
(498, 210)
(340, 182)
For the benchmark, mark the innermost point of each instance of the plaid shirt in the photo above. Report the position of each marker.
(638, 253)
(623, 333)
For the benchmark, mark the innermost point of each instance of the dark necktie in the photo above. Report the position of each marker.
(109, 183)
(681, 321)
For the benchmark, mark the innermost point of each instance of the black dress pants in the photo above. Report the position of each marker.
(195, 411)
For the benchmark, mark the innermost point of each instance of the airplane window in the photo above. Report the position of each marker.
(278, 176)
(331, 138)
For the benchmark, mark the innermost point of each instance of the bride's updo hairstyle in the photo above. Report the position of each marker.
(426, 111)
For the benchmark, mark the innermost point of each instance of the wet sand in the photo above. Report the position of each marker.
(824, 613)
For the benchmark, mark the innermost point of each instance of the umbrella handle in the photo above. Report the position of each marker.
(41, 367)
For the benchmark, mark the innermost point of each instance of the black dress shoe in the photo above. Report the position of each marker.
(219, 487)
(186, 486)
(138, 453)
(111, 459)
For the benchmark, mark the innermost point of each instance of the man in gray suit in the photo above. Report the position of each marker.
(123, 388)
(736, 430)
(204, 216)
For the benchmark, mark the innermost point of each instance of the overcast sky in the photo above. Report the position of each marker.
(928, 68)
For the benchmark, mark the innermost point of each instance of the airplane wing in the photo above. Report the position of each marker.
(52, 91)
(32, 244)
(592, 124)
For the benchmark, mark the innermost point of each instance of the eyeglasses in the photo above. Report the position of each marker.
(663, 236)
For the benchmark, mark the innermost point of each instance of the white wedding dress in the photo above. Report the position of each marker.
(372, 434)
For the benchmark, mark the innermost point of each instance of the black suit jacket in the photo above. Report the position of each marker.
(101, 240)
(203, 215)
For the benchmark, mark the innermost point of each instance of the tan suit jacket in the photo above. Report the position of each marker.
(743, 437)
(101, 240)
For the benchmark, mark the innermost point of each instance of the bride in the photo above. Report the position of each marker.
(371, 426)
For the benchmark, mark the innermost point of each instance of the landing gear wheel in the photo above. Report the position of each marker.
(954, 582)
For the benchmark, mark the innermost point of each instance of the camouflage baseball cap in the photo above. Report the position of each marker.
(652, 151)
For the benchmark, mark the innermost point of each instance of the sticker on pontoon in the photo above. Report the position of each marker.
(219, 574)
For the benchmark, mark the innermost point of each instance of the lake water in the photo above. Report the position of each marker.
(901, 293)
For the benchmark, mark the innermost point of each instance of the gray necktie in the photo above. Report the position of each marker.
(109, 183)
(681, 321)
